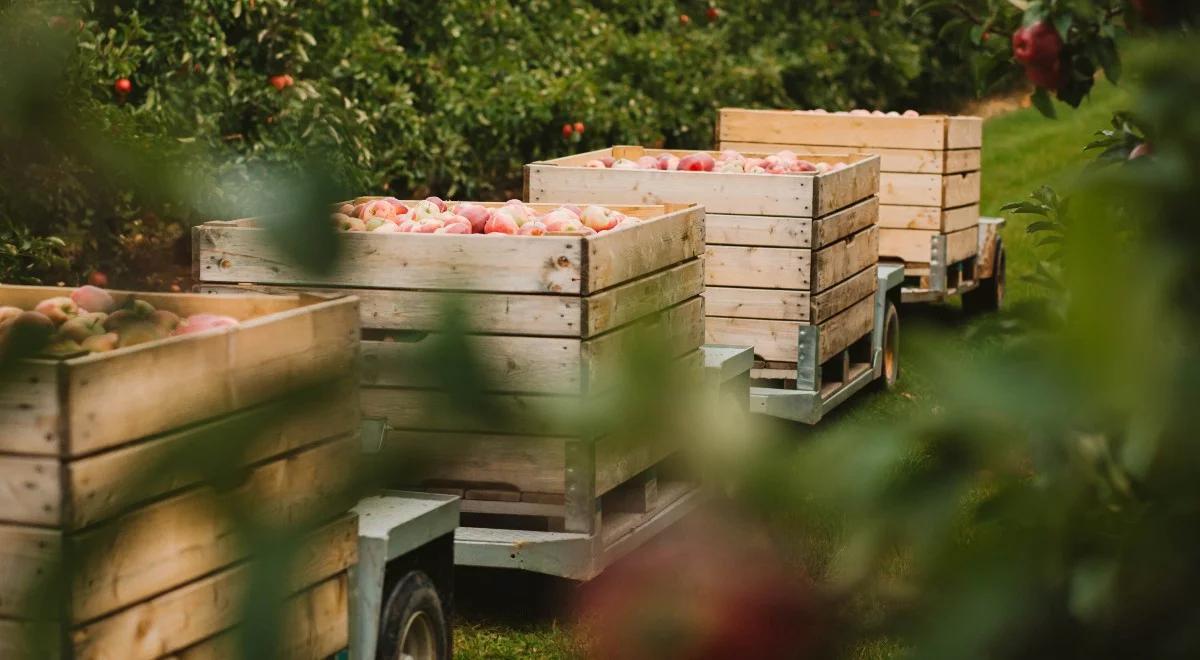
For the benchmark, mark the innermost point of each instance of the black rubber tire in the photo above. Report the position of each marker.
(414, 598)
(891, 348)
(989, 295)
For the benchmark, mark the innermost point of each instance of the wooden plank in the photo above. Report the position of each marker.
(624, 304)
(839, 332)
(315, 627)
(962, 160)
(961, 189)
(153, 388)
(909, 245)
(911, 189)
(842, 188)
(678, 331)
(106, 483)
(514, 264)
(515, 462)
(758, 230)
(21, 640)
(29, 408)
(837, 298)
(807, 127)
(759, 194)
(964, 132)
(153, 550)
(757, 267)
(963, 217)
(962, 245)
(29, 559)
(928, 217)
(547, 365)
(841, 224)
(528, 414)
(780, 304)
(181, 618)
(620, 457)
(492, 313)
(30, 490)
(620, 256)
(777, 341)
(848, 256)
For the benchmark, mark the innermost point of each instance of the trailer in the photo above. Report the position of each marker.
(791, 266)
(929, 189)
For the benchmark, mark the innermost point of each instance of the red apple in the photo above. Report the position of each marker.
(684, 19)
(1039, 42)
(1143, 149)
(607, 160)
(59, 309)
(532, 228)
(1047, 75)
(98, 278)
(712, 13)
(93, 299)
(501, 222)
(567, 130)
(123, 86)
(579, 127)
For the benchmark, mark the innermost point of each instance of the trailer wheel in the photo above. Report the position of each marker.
(989, 295)
(414, 624)
(891, 347)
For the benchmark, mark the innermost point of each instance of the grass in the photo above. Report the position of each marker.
(1022, 151)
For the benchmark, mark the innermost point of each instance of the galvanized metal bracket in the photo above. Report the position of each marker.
(373, 431)
(808, 356)
(581, 506)
(937, 263)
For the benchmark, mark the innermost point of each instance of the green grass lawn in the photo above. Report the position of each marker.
(1022, 150)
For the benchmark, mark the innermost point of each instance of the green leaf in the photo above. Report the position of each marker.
(1042, 225)
(1041, 101)
(1063, 23)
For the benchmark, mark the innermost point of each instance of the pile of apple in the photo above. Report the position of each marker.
(434, 216)
(728, 161)
(90, 321)
(863, 113)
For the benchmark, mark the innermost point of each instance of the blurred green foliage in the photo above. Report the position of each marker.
(413, 97)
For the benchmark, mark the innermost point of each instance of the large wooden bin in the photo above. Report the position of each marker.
(930, 170)
(549, 318)
(783, 251)
(155, 568)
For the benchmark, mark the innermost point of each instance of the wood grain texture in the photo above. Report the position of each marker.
(633, 300)
(29, 408)
(620, 256)
(908, 245)
(29, 558)
(777, 341)
(422, 409)
(547, 365)
(839, 261)
(928, 217)
(833, 300)
(962, 244)
(677, 331)
(781, 304)
(30, 490)
(961, 189)
(512, 462)
(758, 230)
(911, 189)
(757, 267)
(912, 161)
(929, 132)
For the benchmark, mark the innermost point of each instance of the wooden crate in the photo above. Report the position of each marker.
(930, 166)
(550, 319)
(783, 250)
(94, 467)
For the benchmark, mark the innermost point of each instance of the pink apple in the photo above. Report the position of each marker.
(428, 226)
(400, 207)
(532, 228)
(706, 161)
(598, 218)
(752, 163)
(730, 154)
(476, 214)
(574, 210)
(624, 164)
(500, 223)
(647, 163)
(595, 164)
(860, 112)
(407, 226)
(690, 163)
(378, 209)
(668, 162)
(437, 201)
(787, 156)
(202, 322)
(911, 113)
(557, 225)
(93, 299)
(454, 228)
(425, 209)
(607, 160)
(346, 209)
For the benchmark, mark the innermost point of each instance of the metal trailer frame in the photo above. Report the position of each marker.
(806, 403)
(946, 279)
(391, 525)
(583, 554)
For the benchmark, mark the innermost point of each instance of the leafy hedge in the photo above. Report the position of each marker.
(445, 96)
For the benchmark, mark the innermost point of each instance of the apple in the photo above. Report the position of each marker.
(595, 163)
(607, 160)
(561, 224)
(386, 228)
(83, 326)
(407, 226)
(375, 223)
(25, 334)
(598, 218)
(476, 215)
(911, 113)
(532, 228)
(454, 228)
(377, 209)
(624, 164)
(501, 222)
(668, 162)
(100, 343)
(437, 201)
(201, 322)
(647, 163)
(428, 226)
(802, 166)
(425, 209)
(731, 166)
(1047, 75)
(690, 163)
(93, 299)
(859, 112)
(1038, 42)
(9, 313)
(572, 209)
(59, 309)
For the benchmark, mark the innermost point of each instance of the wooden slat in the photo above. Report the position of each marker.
(29, 408)
(841, 224)
(848, 256)
(964, 132)
(737, 302)
(528, 414)
(777, 341)
(30, 490)
(492, 313)
(962, 160)
(963, 217)
(837, 298)
(805, 127)
(514, 462)
(514, 264)
(617, 257)
(23, 640)
(842, 188)
(153, 550)
(29, 556)
(152, 388)
(181, 618)
(962, 244)
(620, 458)
(928, 217)
(961, 189)
(103, 484)
(629, 302)
(911, 189)
(757, 267)
(718, 192)
(678, 331)
(548, 365)
(909, 245)
(184, 304)
(758, 230)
